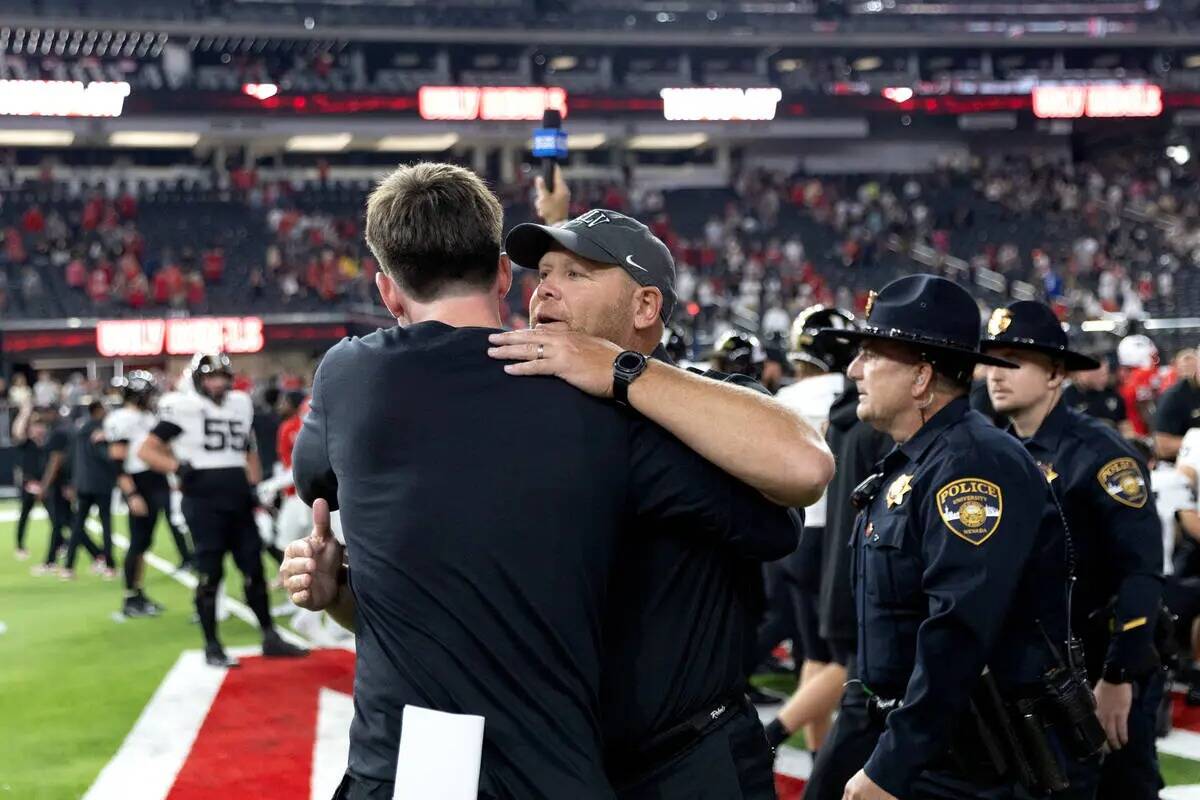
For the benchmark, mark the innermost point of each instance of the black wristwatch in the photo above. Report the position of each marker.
(1114, 674)
(626, 369)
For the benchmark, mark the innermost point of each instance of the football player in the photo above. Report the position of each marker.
(205, 438)
(146, 492)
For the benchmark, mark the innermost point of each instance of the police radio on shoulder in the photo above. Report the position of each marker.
(626, 368)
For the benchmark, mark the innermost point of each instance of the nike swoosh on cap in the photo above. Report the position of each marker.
(632, 263)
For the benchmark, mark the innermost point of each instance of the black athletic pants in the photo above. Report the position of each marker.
(221, 525)
(28, 500)
(84, 502)
(154, 489)
(59, 509)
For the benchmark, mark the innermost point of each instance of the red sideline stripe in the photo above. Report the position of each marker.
(257, 739)
(788, 788)
(1184, 716)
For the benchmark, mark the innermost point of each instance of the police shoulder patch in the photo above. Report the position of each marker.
(971, 508)
(1122, 480)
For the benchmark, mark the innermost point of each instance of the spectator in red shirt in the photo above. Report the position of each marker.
(136, 291)
(214, 265)
(93, 210)
(169, 284)
(195, 291)
(98, 286)
(14, 246)
(127, 206)
(33, 220)
(76, 273)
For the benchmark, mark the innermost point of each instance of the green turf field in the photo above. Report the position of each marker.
(72, 680)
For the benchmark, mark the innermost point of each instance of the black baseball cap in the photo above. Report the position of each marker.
(608, 237)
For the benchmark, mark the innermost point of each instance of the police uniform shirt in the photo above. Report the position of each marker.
(213, 438)
(1178, 409)
(1115, 532)
(1104, 404)
(480, 578)
(955, 557)
(129, 426)
(93, 471)
(812, 398)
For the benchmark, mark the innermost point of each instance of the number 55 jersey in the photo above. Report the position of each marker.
(212, 438)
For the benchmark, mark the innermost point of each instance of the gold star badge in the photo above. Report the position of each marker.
(1048, 471)
(900, 487)
(870, 302)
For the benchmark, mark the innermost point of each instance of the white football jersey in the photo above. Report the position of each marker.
(127, 424)
(1171, 493)
(1189, 450)
(211, 436)
(812, 398)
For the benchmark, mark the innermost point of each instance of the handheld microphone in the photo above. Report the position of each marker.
(550, 144)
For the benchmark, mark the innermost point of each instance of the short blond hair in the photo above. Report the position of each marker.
(435, 227)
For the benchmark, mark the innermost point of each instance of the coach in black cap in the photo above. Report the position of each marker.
(1115, 532)
(955, 557)
(680, 627)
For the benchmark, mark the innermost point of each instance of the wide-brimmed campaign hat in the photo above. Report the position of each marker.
(1029, 325)
(936, 316)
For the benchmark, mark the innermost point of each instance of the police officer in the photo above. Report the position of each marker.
(958, 564)
(1115, 534)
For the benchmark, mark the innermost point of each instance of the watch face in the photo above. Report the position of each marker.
(630, 362)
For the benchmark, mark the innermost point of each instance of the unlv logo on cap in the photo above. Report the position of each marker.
(592, 218)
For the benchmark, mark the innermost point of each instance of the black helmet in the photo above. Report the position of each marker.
(740, 353)
(137, 386)
(676, 343)
(824, 352)
(209, 364)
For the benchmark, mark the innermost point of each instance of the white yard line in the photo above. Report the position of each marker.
(146, 765)
(237, 608)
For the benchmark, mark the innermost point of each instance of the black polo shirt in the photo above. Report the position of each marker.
(60, 441)
(481, 577)
(93, 471)
(682, 621)
(32, 460)
(1178, 409)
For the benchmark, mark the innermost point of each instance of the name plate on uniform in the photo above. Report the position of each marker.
(439, 757)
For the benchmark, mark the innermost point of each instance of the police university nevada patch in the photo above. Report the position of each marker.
(971, 508)
(1122, 481)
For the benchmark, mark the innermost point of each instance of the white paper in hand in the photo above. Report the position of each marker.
(439, 756)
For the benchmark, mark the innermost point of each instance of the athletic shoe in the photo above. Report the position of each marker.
(108, 573)
(275, 647)
(65, 574)
(99, 566)
(152, 608)
(43, 569)
(133, 607)
(20, 554)
(215, 656)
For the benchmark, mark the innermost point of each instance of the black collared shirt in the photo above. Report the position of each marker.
(956, 556)
(1178, 409)
(483, 514)
(1116, 533)
(682, 621)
